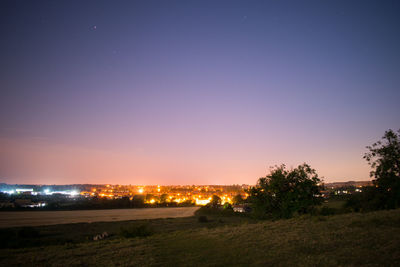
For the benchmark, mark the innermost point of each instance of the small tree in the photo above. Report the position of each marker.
(238, 199)
(215, 201)
(138, 201)
(384, 159)
(149, 197)
(284, 192)
(163, 198)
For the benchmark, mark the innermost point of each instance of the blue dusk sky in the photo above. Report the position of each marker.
(194, 92)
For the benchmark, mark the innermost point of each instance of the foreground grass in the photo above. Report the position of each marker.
(351, 239)
(84, 232)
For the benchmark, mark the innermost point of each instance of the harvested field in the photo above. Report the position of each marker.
(36, 218)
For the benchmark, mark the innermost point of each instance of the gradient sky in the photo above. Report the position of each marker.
(194, 92)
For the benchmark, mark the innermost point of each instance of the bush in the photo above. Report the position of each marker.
(211, 211)
(28, 232)
(132, 231)
(227, 206)
(8, 238)
(369, 199)
(325, 211)
(202, 219)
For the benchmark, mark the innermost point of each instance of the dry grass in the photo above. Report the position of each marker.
(38, 218)
(371, 239)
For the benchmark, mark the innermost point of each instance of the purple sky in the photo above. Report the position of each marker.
(194, 92)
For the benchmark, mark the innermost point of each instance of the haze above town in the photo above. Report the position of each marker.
(194, 92)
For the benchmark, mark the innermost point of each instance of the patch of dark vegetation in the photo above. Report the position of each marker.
(19, 237)
(202, 219)
(28, 232)
(215, 211)
(326, 211)
(132, 231)
(319, 218)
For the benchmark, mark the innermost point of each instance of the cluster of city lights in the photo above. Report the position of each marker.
(45, 192)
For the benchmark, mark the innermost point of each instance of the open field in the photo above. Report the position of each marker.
(84, 232)
(371, 239)
(36, 218)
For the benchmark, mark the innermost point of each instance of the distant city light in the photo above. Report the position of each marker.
(10, 192)
(47, 191)
(202, 201)
(22, 190)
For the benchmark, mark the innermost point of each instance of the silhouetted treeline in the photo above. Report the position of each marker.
(81, 203)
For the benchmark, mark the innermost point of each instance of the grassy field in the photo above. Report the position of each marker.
(371, 239)
(84, 232)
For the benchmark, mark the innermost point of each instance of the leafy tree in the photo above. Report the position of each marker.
(215, 201)
(138, 201)
(149, 197)
(284, 192)
(163, 198)
(238, 199)
(384, 159)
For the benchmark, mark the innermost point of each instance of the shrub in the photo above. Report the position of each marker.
(8, 238)
(132, 231)
(28, 232)
(227, 206)
(325, 211)
(211, 211)
(202, 219)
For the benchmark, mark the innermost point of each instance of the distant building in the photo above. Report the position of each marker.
(241, 208)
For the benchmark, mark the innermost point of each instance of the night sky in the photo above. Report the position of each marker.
(194, 92)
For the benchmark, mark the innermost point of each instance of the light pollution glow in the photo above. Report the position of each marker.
(203, 92)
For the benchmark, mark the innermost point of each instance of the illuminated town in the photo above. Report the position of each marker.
(39, 196)
(199, 195)
(151, 194)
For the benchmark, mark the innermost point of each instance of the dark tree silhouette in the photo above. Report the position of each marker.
(384, 158)
(163, 198)
(215, 201)
(238, 199)
(284, 192)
